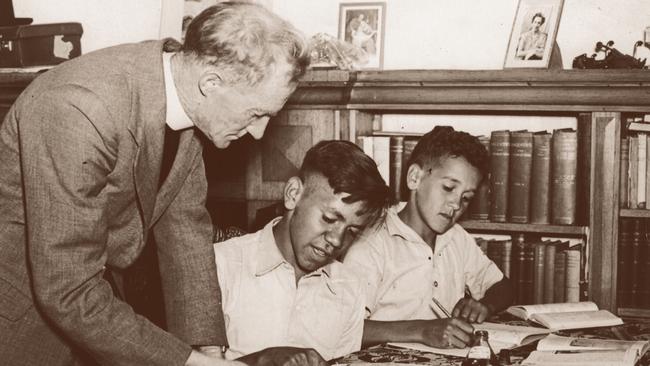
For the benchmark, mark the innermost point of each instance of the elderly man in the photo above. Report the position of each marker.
(81, 187)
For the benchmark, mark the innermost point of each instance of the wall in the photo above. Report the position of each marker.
(473, 34)
(105, 23)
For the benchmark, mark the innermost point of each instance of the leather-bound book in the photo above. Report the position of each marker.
(564, 160)
(499, 166)
(520, 164)
(479, 208)
(395, 174)
(540, 182)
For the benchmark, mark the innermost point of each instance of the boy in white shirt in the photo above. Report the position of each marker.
(420, 264)
(282, 286)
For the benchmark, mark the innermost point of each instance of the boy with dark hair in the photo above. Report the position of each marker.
(420, 262)
(282, 286)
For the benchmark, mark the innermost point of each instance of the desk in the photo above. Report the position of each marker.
(633, 329)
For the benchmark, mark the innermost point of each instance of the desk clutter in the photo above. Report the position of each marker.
(620, 345)
(23, 44)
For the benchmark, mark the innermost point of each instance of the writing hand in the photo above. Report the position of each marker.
(284, 356)
(471, 310)
(447, 333)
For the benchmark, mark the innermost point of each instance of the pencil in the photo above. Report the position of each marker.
(442, 308)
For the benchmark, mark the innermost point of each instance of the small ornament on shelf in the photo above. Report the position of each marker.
(613, 59)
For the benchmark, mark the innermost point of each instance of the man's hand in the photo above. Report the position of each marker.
(284, 356)
(447, 333)
(471, 310)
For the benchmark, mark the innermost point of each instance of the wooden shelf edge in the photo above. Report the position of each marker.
(634, 212)
(529, 228)
(634, 312)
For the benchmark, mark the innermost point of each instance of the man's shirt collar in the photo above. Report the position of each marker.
(177, 119)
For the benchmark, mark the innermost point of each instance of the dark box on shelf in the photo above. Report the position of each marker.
(39, 44)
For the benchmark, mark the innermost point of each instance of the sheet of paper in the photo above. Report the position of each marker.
(458, 352)
(577, 358)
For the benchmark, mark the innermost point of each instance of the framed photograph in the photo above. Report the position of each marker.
(362, 25)
(533, 33)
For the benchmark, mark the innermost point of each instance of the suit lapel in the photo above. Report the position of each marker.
(188, 148)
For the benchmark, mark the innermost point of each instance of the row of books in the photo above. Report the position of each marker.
(634, 263)
(532, 176)
(542, 271)
(635, 160)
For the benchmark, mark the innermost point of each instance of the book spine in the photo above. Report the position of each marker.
(520, 164)
(540, 182)
(641, 172)
(560, 268)
(623, 176)
(409, 145)
(549, 273)
(479, 208)
(519, 267)
(381, 154)
(506, 255)
(583, 175)
(564, 160)
(494, 252)
(635, 267)
(624, 284)
(499, 164)
(633, 171)
(540, 268)
(529, 273)
(572, 276)
(396, 157)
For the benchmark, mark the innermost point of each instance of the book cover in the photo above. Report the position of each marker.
(638, 233)
(633, 171)
(499, 167)
(583, 175)
(623, 175)
(520, 165)
(500, 251)
(549, 273)
(523, 269)
(560, 271)
(624, 278)
(572, 274)
(564, 159)
(408, 146)
(479, 208)
(540, 269)
(381, 154)
(396, 158)
(641, 170)
(540, 178)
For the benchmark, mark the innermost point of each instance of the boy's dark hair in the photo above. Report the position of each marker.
(348, 169)
(444, 141)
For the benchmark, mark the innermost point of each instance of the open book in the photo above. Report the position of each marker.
(500, 336)
(559, 350)
(566, 315)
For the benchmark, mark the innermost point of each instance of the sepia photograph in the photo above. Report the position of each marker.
(533, 33)
(362, 25)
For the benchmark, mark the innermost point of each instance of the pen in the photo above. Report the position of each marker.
(442, 308)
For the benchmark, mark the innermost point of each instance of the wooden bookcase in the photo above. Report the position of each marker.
(339, 104)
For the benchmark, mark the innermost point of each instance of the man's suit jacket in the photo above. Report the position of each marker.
(80, 155)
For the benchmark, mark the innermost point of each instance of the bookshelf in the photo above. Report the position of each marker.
(341, 104)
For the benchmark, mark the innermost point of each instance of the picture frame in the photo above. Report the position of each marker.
(362, 24)
(533, 34)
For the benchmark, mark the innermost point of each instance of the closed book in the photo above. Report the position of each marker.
(624, 278)
(583, 177)
(529, 273)
(638, 233)
(564, 160)
(540, 267)
(396, 157)
(409, 145)
(623, 176)
(499, 251)
(479, 208)
(641, 172)
(499, 166)
(540, 181)
(560, 278)
(523, 271)
(633, 171)
(572, 275)
(520, 164)
(549, 273)
(381, 154)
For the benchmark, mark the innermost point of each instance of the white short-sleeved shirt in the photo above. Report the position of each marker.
(263, 307)
(403, 274)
